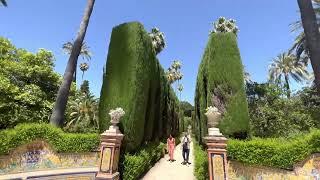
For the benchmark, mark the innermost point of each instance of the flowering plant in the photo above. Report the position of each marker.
(158, 40)
(174, 73)
(212, 110)
(223, 25)
(176, 64)
(116, 114)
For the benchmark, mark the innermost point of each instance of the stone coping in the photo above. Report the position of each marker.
(47, 173)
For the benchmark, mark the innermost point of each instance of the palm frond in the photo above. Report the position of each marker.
(67, 47)
(84, 52)
(4, 3)
(295, 26)
(286, 64)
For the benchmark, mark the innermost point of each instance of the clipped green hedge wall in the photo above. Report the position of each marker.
(134, 80)
(59, 140)
(137, 164)
(275, 152)
(221, 71)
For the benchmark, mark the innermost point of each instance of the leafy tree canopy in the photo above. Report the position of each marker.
(28, 84)
(187, 108)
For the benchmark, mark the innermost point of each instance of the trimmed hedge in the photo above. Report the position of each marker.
(134, 80)
(201, 162)
(59, 140)
(275, 152)
(134, 166)
(221, 74)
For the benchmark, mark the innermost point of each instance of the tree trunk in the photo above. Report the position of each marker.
(57, 117)
(286, 77)
(311, 30)
(75, 74)
(82, 75)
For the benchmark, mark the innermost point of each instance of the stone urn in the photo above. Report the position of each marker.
(115, 115)
(214, 117)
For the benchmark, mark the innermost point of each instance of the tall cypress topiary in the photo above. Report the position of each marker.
(220, 83)
(134, 80)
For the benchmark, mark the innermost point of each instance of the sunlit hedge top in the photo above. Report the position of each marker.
(59, 140)
(275, 152)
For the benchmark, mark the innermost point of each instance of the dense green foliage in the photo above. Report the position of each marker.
(275, 152)
(137, 164)
(135, 81)
(59, 141)
(311, 103)
(82, 113)
(201, 162)
(187, 108)
(186, 121)
(84, 87)
(273, 115)
(28, 85)
(220, 83)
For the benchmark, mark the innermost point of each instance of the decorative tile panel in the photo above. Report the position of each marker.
(39, 156)
(305, 170)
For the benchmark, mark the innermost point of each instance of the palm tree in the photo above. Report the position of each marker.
(312, 36)
(84, 67)
(286, 66)
(57, 117)
(299, 45)
(84, 53)
(4, 3)
(84, 109)
(180, 89)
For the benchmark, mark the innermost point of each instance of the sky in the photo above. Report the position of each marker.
(264, 30)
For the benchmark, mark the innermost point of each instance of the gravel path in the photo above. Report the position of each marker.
(166, 170)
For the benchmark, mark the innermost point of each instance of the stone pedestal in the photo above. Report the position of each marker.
(214, 132)
(109, 155)
(217, 156)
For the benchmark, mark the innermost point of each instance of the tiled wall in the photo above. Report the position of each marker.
(306, 170)
(39, 156)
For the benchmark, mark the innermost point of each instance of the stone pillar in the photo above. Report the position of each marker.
(109, 155)
(217, 156)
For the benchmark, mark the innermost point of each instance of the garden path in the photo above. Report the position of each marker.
(166, 170)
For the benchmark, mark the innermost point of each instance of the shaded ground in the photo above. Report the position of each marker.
(166, 170)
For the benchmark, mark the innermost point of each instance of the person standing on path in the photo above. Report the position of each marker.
(171, 143)
(186, 148)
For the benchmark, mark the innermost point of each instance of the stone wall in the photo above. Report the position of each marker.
(39, 156)
(305, 170)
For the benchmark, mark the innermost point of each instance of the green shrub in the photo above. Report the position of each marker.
(271, 115)
(275, 152)
(59, 140)
(134, 80)
(279, 119)
(135, 165)
(201, 162)
(221, 75)
(28, 85)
